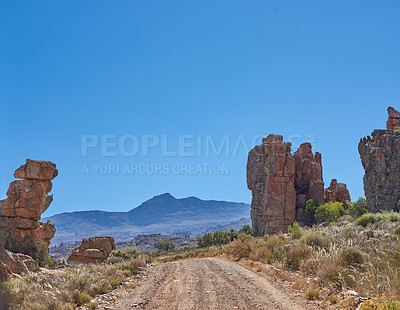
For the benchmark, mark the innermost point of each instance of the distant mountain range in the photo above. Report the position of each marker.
(238, 225)
(163, 214)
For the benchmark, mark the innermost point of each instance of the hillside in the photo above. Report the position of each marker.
(162, 214)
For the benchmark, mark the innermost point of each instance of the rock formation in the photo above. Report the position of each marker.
(93, 250)
(393, 120)
(12, 263)
(337, 192)
(281, 183)
(380, 157)
(27, 199)
(308, 183)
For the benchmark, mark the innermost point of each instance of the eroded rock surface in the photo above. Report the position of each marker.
(309, 183)
(281, 184)
(27, 199)
(337, 192)
(380, 157)
(92, 250)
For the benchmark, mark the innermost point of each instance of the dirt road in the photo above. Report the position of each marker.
(211, 283)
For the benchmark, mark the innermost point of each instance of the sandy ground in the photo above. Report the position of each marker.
(211, 283)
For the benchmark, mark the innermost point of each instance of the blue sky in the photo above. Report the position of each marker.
(324, 71)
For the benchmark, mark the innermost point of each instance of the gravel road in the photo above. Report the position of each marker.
(211, 283)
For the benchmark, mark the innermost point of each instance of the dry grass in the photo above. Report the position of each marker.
(67, 288)
(361, 255)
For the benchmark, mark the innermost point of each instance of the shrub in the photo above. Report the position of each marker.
(358, 208)
(296, 255)
(366, 219)
(115, 283)
(220, 237)
(92, 305)
(351, 257)
(309, 212)
(333, 299)
(396, 130)
(316, 240)
(81, 298)
(122, 255)
(205, 241)
(295, 230)
(312, 294)
(246, 229)
(42, 257)
(329, 212)
(165, 246)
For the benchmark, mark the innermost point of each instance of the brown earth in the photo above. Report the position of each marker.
(212, 283)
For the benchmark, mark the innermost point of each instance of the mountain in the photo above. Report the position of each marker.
(162, 214)
(238, 225)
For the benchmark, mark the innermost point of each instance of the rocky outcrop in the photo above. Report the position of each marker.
(337, 192)
(309, 183)
(270, 177)
(380, 157)
(281, 184)
(91, 251)
(15, 263)
(393, 120)
(27, 199)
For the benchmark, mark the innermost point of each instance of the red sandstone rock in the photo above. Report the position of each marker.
(337, 192)
(309, 183)
(281, 184)
(37, 170)
(93, 250)
(270, 177)
(21, 211)
(14, 263)
(380, 157)
(394, 119)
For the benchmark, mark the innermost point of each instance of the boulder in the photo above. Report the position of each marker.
(380, 157)
(14, 263)
(92, 250)
(29, 262)
(36, 170)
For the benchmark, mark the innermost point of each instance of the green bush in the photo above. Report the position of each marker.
(358, 208)
(42, 257)
(81, 298)
(295, 230)
(165, 246)
(312, 294)
(115, 283)
(93, 305)
(309, 212)
(122, 255)
(329, 212)
(218, 238)
(246, 229)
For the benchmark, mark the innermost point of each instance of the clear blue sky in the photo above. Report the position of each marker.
(321, 69)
